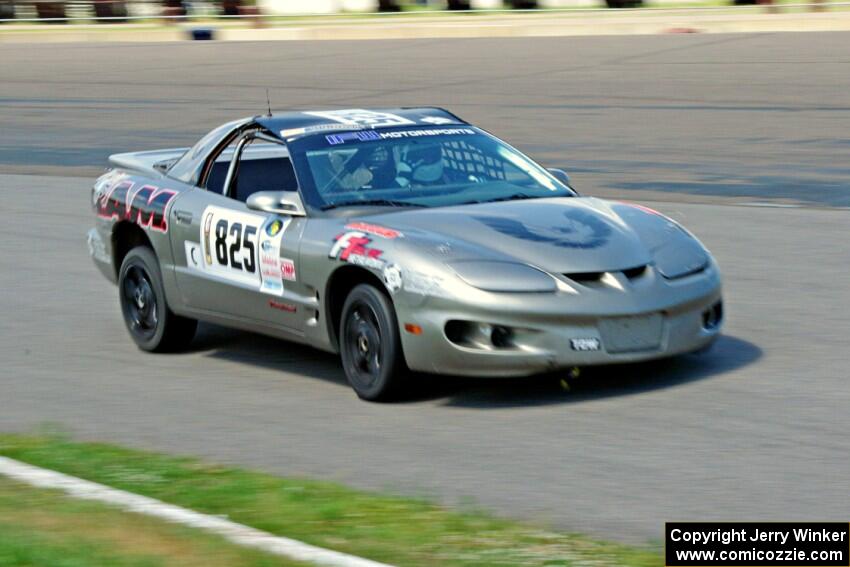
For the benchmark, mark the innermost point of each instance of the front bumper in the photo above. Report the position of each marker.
(544, 326)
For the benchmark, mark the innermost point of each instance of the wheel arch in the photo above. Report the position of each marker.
(340, 283)
(127, 235)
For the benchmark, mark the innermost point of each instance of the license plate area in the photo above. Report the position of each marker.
(632, 334)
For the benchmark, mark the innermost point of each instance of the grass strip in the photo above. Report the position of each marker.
(391, 529)
(45, 528)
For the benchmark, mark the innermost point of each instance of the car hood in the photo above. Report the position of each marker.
(558, 235)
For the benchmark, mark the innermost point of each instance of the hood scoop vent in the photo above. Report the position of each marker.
(585, 277)
(619, 279)
(634, 273)
(614, 278)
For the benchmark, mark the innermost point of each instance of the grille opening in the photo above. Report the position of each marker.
(585, 277)
(633, 273)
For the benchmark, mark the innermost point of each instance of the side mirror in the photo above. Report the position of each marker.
(277, 202)
(560, 175)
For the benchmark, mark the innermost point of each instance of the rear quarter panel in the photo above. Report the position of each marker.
(120, 198)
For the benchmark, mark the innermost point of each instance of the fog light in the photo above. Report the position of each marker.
(713, 316)
(484, 336)
(501, 336)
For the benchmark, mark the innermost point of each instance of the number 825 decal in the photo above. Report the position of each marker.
(230, 243)
(238, 240)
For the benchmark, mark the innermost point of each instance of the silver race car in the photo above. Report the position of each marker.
(403, 239)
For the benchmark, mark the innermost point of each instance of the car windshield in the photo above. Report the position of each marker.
(416, 167)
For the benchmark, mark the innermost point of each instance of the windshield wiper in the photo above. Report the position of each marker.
(371, 203)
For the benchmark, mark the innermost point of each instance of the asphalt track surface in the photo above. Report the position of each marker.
(756, 429)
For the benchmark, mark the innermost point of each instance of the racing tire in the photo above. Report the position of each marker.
(151, 324)
(370, 345)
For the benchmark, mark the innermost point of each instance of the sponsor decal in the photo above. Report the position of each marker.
(271, 267)
(145, 205)
(274, 227)
(353, 247)
(363, 136)
(437, 120)
(374, 229)
(580, 230)
(424, 284)
(97, 249)
(287, 269)
(361, 117)
(420, 133)
(206, 230)
(287, 307)
(312, 129)
(371, 135)
(585, 344)
(194, 256)
(392, 277)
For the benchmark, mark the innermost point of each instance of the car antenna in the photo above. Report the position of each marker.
(268, 102)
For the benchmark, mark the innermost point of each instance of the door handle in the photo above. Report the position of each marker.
(183, 217)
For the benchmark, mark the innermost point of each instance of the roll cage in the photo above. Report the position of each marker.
(197, 166)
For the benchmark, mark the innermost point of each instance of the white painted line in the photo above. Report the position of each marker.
(231, 531)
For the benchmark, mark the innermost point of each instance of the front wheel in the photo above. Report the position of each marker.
(370, 345)
(150, 322)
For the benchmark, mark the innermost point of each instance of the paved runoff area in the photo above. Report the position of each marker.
(701, 127)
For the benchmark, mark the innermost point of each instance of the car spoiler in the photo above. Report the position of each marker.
(155, 161)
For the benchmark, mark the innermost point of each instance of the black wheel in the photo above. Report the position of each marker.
(151, 323)
(370, 345)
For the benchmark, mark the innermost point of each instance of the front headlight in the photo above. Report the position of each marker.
(491, 275)
(680, 257)
(676, 252)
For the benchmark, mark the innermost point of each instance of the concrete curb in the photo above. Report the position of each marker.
(231, 531)
(580, 23)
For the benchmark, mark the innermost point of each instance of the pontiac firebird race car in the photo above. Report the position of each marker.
(403, 239)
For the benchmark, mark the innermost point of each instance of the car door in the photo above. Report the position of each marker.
(234, 262)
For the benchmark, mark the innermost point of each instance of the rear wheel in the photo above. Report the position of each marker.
(370, 345)
(150, 322)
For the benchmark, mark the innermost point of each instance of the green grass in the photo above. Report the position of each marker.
(45, 528)
(385, 528)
